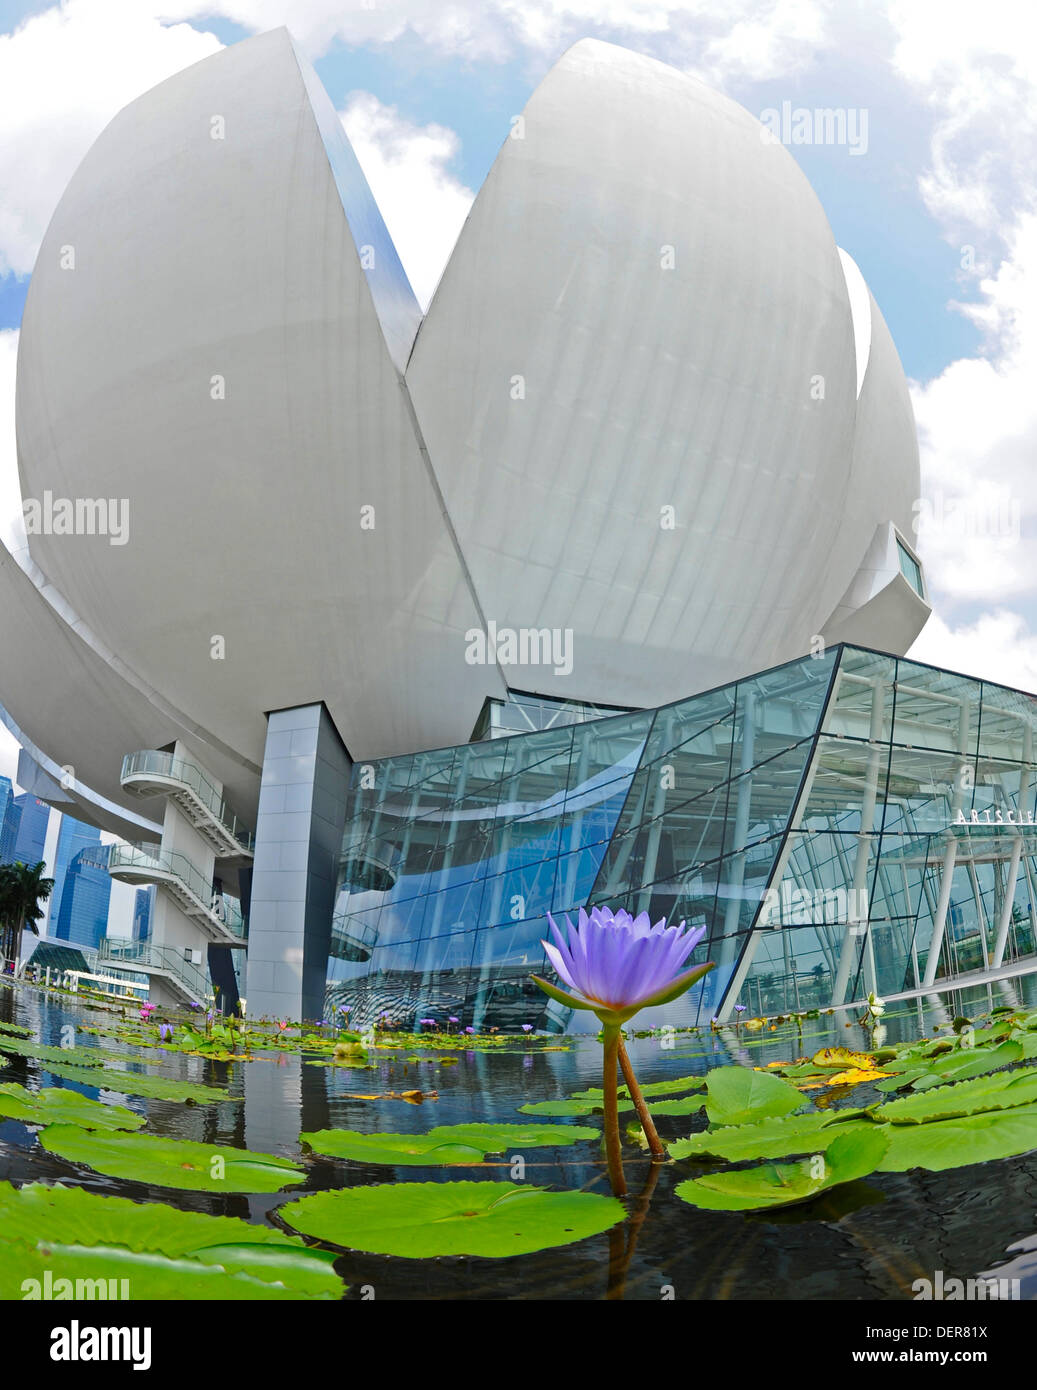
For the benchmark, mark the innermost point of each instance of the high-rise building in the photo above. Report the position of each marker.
(142, 905)
(31, 837)
(9, 818)
(73, 836)
(83, 917)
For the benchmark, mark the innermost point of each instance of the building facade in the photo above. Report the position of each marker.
(82, 919)
(73, 836)
(847, 823)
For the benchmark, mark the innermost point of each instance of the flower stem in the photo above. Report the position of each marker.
(655, 1144)
(612, 1044)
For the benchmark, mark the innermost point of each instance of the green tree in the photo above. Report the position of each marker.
(23, 889)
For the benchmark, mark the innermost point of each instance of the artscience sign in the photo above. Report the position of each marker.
(994, 818)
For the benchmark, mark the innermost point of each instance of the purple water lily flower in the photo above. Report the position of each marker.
(469, 1030)
(165, 1032)
(527, 1027)
(616, 964)
(430, 1021)
(452, 1019)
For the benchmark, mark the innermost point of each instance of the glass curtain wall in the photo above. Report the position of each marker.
(841, 823)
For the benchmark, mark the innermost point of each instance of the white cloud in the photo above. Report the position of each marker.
(761, 38)
(999, 646)
(977, 70)
(63, 75)
(407, 166)
(977, 426)
(8, 754)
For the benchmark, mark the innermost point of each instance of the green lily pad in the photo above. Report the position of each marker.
(127, 1083)
(172, 1162)
(570, 1107)
(974, 1061)
(182, 1254)
(60, 1107)
(774, 1138)
(423, 1220)
(737, 1095)
(674, 1086)
(901, 1081)
(1001, 1091)
(443, 1145)
(956, 1143)
(148, 1277)
(16, 1029)
(41, 1052)
(686, 1105)
(854, 1154)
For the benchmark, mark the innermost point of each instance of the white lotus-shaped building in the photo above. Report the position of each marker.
(651, 403)
(652, 414)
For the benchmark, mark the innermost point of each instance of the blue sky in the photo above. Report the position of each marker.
(872, 202)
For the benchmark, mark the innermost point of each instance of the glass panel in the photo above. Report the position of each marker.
(910, 569)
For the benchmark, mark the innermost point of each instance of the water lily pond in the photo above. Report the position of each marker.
(806, 1159)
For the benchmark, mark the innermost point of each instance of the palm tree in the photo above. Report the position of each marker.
(22, 889)
(8, 911)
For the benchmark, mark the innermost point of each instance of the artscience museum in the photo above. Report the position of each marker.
(592, 583)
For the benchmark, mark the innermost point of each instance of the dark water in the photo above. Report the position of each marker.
(870, 1240)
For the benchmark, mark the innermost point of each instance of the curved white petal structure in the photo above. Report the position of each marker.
(880, 607)
(638, 412)
(666, 286)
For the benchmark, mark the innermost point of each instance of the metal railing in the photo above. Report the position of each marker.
(172, 864)
(141, 955)
(151, 761)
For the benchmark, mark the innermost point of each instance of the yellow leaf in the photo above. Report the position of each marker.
(842, 1057)
(856, 1075)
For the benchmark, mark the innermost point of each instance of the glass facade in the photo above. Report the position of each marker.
(842, 823)
(73, 835)
(83, 916)
(31, 832)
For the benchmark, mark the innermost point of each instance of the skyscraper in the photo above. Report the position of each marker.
(142, 906)
(73, 836)
(82, 919)
(9, 818)
(31, 835)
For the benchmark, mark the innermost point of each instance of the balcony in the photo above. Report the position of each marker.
(143, 958)
(219, 919)
(151, 773)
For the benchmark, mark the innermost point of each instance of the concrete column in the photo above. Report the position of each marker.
(302, 811)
